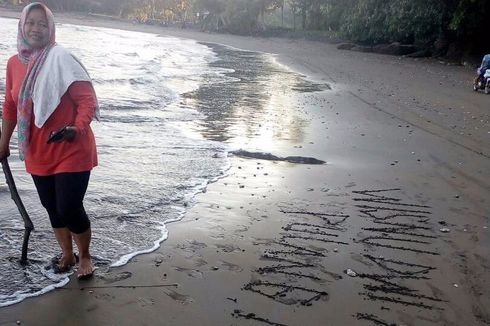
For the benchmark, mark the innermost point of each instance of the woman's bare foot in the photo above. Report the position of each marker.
(66, 262)
(68, 259)
(85, 268)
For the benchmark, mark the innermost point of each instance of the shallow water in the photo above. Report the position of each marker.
(171, 109)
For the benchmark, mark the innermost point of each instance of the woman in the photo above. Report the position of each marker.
(47, 89)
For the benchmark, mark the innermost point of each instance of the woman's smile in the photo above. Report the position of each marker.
(36, 28)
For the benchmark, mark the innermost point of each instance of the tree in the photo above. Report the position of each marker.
(448, 27)
(469, 25)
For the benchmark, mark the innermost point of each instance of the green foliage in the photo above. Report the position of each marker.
(414, 21)
(157, 11)
(335, 13)
(470, 23)
(406, 21)
(237, 16)
(366, 21)
(420, 22)
(469, 15)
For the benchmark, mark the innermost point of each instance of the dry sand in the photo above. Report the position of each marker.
(407, 146)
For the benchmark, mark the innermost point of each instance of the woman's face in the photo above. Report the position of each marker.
(36, 28)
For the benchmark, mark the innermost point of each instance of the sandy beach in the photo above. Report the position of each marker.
(394, 229)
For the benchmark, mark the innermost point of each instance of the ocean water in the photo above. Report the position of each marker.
(171, 109)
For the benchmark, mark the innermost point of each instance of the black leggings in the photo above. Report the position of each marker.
(62, 196)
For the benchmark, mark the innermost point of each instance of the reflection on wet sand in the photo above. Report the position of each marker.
(255, 105)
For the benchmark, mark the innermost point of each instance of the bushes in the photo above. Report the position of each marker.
(379, 21)
(424, 23)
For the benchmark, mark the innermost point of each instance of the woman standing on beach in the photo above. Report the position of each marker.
(49, 90)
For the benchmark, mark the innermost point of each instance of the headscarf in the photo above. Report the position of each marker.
(34, 58)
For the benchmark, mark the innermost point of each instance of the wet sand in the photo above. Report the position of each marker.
(393, 229)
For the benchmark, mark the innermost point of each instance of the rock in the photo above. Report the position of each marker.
(425, 53)
(345, 46)
(350, 272)
(394, 49)
(303, 160)
(270, 157)
(362, 48)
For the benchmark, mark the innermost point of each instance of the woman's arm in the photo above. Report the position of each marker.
(9, 118)
(8, 127)
(83, 95)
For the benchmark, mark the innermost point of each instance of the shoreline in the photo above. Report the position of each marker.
(272, 241)
(436, 98)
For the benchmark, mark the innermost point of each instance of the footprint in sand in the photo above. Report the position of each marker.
(190, 272)
(92, 307)
(263, 241)
(350, 185)
(230, 266)
(228, 248)
(482, 260)
(191, 246)
(217, 236)
(242, 228)
(182, 298)
(200, 262)
(143, 302)
(112, 278)
(104, 296)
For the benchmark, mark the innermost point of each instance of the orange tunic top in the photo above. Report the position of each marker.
(77, 107)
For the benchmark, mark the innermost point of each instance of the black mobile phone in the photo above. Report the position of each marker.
(56, 135)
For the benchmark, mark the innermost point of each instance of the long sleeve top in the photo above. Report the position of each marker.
(485, 63)
(77, 108)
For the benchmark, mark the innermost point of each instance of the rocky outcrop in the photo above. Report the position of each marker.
(271, 157)
(362, 48)
(394, 49)
(345, 46)
(390, 49)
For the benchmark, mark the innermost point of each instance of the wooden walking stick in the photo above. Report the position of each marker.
(28, 226)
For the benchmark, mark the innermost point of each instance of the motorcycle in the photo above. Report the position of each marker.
(483, 83)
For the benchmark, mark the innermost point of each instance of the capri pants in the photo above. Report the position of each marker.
(62, 196)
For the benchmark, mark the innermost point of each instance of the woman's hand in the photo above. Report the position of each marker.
(4, 152)
(70, 133)
(67, 133)
(5, 135)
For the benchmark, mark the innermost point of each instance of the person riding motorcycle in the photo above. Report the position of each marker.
(485, 64)
(482, 80)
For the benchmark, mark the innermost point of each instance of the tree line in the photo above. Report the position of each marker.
(445, 27)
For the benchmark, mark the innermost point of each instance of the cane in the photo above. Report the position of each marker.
(28, 226)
